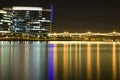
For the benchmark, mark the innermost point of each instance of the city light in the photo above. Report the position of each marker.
(28, 8)
(89, 32)
(1, 11)
(114, 32)
(38, 26)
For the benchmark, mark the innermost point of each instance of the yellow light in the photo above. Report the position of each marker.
(54, 34)
(65, 32)
(76, 33)
(98, 33)
(114, 32)
(88, 32)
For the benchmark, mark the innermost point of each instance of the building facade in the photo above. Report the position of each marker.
(5, 21)
(33, 20)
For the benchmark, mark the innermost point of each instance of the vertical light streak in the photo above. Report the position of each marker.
(11, 55)
(119, 60)
(76, 61)
(25, 61)
(98, 61)
(52, 13)
(65, 63)
(70, 59)
(11, 58)
(36, 67)
(55, 61)
(17, 62)
(2, 61)
(80, 61)
(89, 66)
(51, 62)
(114, 62)
(14, 66)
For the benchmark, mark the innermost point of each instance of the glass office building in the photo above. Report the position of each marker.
(5, 20)
(33, 20)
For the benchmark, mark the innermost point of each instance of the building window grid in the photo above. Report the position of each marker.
(28, 21)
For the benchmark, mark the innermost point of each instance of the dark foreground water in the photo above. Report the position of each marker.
(58, 60)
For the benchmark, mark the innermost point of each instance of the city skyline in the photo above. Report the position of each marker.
(78, 16)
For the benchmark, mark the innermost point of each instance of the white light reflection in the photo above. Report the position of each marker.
(38, 57)
(2, 60)
(5, 60)
(26, 60)
(15, 48)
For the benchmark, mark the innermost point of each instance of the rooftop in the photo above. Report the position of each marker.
(27, 8)
(24, 8)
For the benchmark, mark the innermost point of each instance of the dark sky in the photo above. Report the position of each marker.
(78, 15)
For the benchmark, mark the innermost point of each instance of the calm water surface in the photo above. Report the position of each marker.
(56, 60)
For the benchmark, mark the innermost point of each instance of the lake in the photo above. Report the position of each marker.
(59, 60)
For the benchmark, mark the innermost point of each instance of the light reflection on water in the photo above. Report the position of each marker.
(89, 66)
(59, 60)
(114, 62)
(98, 61)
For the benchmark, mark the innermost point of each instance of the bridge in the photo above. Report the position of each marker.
(65, 36)
(88, 36)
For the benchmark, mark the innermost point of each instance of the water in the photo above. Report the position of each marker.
(59, 60)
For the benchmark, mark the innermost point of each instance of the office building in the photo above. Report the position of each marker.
(5, 20)
(33, 20)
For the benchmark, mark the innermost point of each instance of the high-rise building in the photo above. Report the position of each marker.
(34, 20)
(5, 20)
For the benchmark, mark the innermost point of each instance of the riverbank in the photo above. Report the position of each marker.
(52, 39)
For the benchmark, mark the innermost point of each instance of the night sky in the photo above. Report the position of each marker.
(78, 15)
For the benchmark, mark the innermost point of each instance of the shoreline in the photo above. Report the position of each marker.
(33, 39)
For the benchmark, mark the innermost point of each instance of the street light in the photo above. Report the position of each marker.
(89, 32)
(54, 34)
(114, 32)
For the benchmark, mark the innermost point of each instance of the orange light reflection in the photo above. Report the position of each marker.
(114, 62)
(89, 61)
(55, 61)
(98, 62)
(65, 63)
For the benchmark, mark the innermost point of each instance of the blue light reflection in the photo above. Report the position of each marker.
(51, 62)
